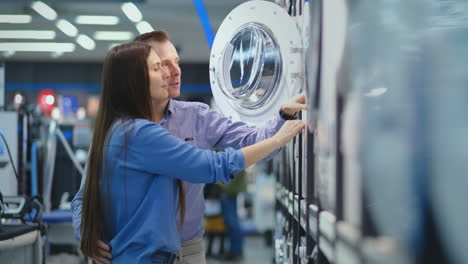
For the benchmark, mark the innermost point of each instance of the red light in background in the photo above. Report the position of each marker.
(46, 101)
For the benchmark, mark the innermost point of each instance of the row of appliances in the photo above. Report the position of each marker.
(383, 160)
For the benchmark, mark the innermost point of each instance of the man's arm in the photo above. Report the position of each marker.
(220, 132)
(239, 134)
(77, 204)
(104, 254)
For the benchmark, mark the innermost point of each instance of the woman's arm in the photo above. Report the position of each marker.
(256, 152)
(155, 150)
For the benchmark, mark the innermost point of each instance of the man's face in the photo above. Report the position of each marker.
(169, 58)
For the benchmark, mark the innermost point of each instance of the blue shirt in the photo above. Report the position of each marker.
(196, 124)
(139, 189)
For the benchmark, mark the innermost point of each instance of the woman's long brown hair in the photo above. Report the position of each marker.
(125, 95)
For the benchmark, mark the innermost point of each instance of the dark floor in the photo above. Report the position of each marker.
(256, 252)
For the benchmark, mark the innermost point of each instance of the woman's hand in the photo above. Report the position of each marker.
(104, 255)
(288, 131)
(256, 152)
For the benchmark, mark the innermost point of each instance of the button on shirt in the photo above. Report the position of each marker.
(196, 124)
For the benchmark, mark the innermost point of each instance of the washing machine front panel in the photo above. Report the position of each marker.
(351, 147)
(290, 163)
(447, 106)
(255, 62)
(351, 123)
(306, 169)
(334, 33)
(312, 46)
(386, 43)
(9, 129)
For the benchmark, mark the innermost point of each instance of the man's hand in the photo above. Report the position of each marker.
(295, 104)
(104, 255)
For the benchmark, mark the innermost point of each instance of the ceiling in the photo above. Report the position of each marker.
(178, 17)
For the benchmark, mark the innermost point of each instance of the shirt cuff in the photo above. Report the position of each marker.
(278, 121)
(236, 162)
(239, 161)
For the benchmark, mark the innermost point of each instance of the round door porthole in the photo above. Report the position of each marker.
(252, 65)
(255, 62)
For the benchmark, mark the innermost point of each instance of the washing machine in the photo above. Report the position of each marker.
(255, 62)
(290, 165)
(446, 109)
(385, 47)
(334, 23)
(312, 36)
(309, 23)
(9, 168)
(295, 163)
(309, 28)
(352, 181)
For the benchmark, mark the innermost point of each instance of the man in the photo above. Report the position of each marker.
(198, 125)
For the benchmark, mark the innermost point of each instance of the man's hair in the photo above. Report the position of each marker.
(157, 35)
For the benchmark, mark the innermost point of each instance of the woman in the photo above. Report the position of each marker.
(135, 165)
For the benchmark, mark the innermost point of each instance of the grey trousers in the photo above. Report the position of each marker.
(192, 252)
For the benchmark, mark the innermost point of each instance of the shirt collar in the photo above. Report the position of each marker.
(170, 110)
(170, 107)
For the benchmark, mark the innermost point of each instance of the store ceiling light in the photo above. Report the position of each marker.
(68, 28)
(37, 46)
(44, 10)
(132, 12)
(27, 34)
(144, 27)
(15, 19)
(113, 35)
(97, 20)
(86, 42)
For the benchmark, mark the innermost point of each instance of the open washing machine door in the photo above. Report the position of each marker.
(256, 62)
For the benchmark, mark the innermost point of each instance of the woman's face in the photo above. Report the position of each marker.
(158, 77)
